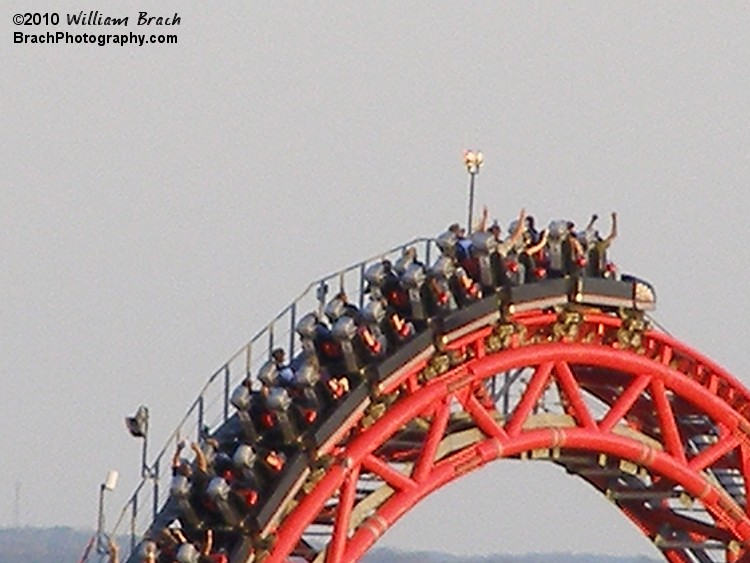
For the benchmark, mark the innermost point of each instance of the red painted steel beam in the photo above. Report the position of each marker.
(714, 453)
(343, 513)
(434, 436)
(482, 418)
(395, 479)
(744, 462)
(536, 387)
(624, 402)
(670, 434)
(572, 392)
(685, 350)
(623, 361)
(401, 412)
(640, 369)
(574, 439)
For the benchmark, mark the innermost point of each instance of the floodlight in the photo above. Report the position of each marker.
(138, 424)
(111, 481)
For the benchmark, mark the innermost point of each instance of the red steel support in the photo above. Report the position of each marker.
(624, 403)
(714, 453)
(575, 438)
(744, 462)
(397, 480)
(343, 512)
(696, 385)
(434, 436)
(573, 393)
(483, 419)
(536, 387)
(670, 432)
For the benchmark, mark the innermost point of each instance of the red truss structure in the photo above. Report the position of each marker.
(654, 426)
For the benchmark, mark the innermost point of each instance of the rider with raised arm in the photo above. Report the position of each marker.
(533, 257)
(573, 253)
(596, 247)
(514, 240)
(512, 250)
(113, 551)
(190, 553)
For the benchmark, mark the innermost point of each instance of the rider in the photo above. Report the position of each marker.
(573, 253)
(596, 247)
(286, 374)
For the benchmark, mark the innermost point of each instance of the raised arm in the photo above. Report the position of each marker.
(208, 545)
(520, 225)
(481, 226)
(576, 246)
(177, 533)
(114, 552)
(538, 246)
(590, 226)
(200, 457)
(613, 231)
(176, 456)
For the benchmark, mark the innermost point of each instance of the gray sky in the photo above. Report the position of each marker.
(159, 204)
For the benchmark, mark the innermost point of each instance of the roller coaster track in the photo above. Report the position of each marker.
(565, 372)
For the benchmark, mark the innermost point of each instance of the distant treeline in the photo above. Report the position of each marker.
(388, 555)
(42, 545)
(63, 545)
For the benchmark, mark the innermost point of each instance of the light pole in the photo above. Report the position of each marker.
(473, 161)
(138, 428)
(109, 485)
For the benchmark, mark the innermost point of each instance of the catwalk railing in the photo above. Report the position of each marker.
(212, 407)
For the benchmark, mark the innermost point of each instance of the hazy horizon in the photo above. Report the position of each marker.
(35, 545)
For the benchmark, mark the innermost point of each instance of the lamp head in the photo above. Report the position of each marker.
(138, 424)
(111, 481)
